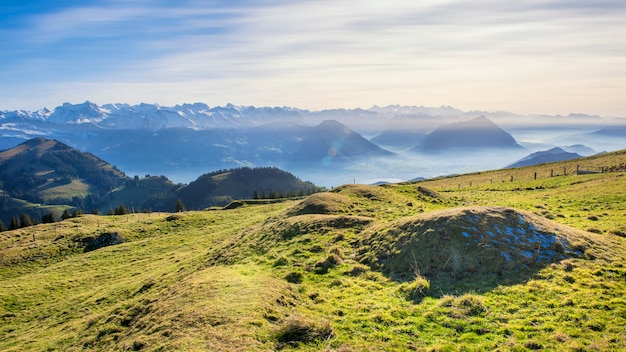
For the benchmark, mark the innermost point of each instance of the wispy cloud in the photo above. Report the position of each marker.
(549, 56)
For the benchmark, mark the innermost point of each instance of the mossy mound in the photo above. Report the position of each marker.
(470, 243)
(314, 223)
(322, 203)
(372, 193)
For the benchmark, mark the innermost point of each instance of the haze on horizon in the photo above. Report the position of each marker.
(552, 57)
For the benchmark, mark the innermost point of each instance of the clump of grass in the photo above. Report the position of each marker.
(620, 231)
(331, 261)
(281, 261)
(294, 277)
(358, 270)
(463, 306)
(415, 290)
(296, 328)
(173, 217)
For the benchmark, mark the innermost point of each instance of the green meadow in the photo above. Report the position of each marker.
(508, 260)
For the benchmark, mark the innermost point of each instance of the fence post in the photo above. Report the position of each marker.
(564, 170)
(535, 175)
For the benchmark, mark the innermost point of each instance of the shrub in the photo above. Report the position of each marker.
(296, 329)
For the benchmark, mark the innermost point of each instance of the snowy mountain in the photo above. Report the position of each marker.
(150, 116)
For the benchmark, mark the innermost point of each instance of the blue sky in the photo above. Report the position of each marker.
(532, 56)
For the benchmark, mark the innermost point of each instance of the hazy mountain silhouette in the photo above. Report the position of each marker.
(475, 134)
(333, 142)
(546, 156)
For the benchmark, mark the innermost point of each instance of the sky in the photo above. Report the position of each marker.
(534, 56)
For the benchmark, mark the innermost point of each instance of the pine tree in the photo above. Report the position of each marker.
(2, 226)
(48, 218)
(66, 214)
(121, 210)
(255, 195)
(180, 207)
(15, 223)
(25, 220)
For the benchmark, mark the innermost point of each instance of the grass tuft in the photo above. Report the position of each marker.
(297, 328)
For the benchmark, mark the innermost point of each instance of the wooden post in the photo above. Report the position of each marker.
(535, 175)
(551, 173)
(564, 171)
(511, 178)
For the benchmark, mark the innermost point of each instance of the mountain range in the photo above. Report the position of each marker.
(328, 147)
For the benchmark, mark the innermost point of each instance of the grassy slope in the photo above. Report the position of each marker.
(247, 279)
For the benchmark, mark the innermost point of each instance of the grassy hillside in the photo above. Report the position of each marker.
(474, 262)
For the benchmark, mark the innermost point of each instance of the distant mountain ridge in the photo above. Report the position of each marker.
(546, 156)
(331, 142)
(478, 133)
(197, 115)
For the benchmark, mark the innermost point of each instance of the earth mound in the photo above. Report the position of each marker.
(315, 223)
(374, 193)
(473, 243)
(322, 203)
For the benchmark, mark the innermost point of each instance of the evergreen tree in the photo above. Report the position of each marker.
(255, 195)
(25, 220)
(48, 218)
(66, 214)
(76, 213)
(2, 226)
(121, 210)
(15, 222)
(180, 207)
